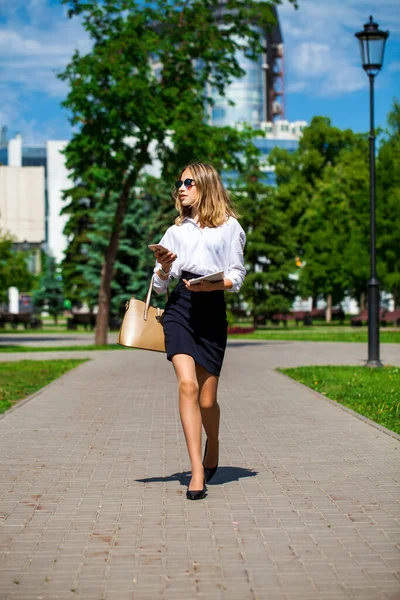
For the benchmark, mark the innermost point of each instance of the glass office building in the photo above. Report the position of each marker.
(257, 98)
(247, 95)
(4, 156)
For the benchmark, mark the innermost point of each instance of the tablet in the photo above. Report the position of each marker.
(213, 277)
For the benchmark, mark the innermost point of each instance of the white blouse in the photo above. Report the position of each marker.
(204, 251)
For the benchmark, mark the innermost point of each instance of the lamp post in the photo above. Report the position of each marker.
(372, 45)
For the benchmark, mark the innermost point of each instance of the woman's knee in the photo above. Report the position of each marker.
(188, 387)
(208, 401)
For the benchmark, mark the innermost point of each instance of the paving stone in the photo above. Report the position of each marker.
(94, 471)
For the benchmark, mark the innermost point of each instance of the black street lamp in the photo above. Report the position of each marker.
(372, 44)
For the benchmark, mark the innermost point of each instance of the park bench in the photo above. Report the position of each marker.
(280, 318)
(28, 320)
(239, 313)
(319, 314)
(240, 330)
(362, 318)
(392, 317)
(85, 319)
(296, 315)
(89, 320)
(307, 316)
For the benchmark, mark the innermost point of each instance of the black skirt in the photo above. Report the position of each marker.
(195, 324)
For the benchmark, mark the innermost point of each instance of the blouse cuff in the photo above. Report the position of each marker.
(160, 285)
(237, 281)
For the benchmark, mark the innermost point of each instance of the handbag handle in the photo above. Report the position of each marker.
(147, 304)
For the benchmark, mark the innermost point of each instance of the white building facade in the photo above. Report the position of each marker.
(22, 210)
(57, 181)
(32, 181)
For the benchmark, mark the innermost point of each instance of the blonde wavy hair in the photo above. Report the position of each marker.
(214, 202)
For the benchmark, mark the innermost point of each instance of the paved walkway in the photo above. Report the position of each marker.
(94, 472)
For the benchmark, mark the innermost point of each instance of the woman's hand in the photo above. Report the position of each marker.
(165, 259)
(208, 286)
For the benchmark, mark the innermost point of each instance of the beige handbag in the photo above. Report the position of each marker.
(142, 325)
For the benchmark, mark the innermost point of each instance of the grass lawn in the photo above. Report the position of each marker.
(25, 377)
(374, 393)
(16, 348)
(319, 335)
(318, 332)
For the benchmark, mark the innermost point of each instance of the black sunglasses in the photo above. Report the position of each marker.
(188, 183)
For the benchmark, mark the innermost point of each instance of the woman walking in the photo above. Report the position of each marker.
(206, 238)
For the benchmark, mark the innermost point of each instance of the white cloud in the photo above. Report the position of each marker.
(296, 87)
(36, 41)
(10, 105)
(311, 59)
(321, 52)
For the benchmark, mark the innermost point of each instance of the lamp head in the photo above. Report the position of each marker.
(372, 45)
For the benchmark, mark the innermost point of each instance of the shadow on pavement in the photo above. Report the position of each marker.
(223, 475)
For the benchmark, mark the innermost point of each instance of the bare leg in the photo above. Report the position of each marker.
(190, 414)
(210, 413)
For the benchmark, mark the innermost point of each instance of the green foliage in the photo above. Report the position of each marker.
(134, 261)
(145, 84)
(388, 199)
(49, 295)
(323, 189)
(270, 249)
(374, 393)
(13, 268)
(80, 212)
(334, 228)
(298, 173)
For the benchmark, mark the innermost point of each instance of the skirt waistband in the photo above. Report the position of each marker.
(210, 296)
(189, 275)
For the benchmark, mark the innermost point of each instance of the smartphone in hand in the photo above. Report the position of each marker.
(159, 247)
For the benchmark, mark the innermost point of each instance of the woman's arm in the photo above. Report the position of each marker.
(236, 271)
(163, 260)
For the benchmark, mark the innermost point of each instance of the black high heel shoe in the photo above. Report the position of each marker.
(209, 473)
(197, 494)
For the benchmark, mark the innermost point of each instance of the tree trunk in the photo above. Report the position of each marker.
(107, 268)
(254, 310)
(395, 294)
(104, 301)
(362, 301)
(328, 312)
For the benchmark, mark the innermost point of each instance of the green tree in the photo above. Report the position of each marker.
(134, 262)
(317, 185)
(49, 295)
(80, 212)
(388, 206)
(149, 71)
(297, 173)
(269, 286)
(335, 229)
(13, 268)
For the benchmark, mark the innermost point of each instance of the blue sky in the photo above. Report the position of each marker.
(323, 75)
